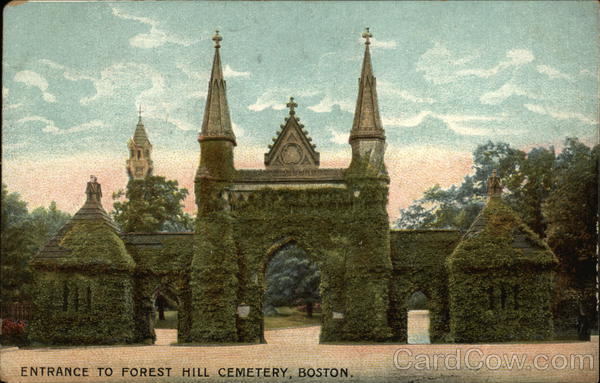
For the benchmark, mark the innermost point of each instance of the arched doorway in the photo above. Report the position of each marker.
(418, 321)
(166, 306)
(292, 297)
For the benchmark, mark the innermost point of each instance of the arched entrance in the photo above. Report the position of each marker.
(418, 321)
(292, 296)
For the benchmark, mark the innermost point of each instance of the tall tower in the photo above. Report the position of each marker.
(367, 137)
(139, 164)
(216, 138)
(215, 257)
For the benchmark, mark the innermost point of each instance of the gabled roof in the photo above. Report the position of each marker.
(292, 148)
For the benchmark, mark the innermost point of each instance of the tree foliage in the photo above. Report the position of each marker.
(22, 235)
(292, 279)
(527, 179)
(152, 204)
(571, 213)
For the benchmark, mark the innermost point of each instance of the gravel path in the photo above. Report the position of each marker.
(297, 349)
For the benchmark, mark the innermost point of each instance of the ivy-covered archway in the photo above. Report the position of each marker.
(345, 233)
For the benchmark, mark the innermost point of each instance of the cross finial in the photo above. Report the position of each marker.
(367, 36)
(292, 105)
(140, 113)
(217, 39)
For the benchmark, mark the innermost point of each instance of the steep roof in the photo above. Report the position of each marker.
(140, 137)
(367, 121)
(498, 238)
(216, 124)
(89, 238)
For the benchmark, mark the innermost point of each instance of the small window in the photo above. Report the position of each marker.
(65, 296)
(139, 152)
(490, 293)
(88, 299)
(76, 299)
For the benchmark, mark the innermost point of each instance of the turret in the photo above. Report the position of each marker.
(367, 137)
(139, 165)
(216, 138)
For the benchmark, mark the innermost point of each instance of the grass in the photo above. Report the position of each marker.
(290, 317)
(286, 317)
(169, 322)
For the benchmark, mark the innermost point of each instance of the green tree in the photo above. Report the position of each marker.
(292, 279)
(22, 235)
(527, 179)
(571, 212)
(151, 204)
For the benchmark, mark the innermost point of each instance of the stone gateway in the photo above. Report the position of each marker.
(97, 285)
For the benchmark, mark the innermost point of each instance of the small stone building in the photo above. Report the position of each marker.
(500, 278)
(84, 281)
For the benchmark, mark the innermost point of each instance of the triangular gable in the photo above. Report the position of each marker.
(292, 148)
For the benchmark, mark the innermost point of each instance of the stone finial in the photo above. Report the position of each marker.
(217, 38)
(292, 105)
(494, 187)
(367, 36)
(93, 189)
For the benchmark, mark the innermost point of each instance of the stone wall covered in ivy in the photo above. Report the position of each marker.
(419, 265)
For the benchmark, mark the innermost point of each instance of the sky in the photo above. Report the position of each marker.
(450, 75)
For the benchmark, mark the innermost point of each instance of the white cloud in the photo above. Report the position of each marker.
(559, 115)
(266, 101)
(155, 37)
(191, 74)
(228, 72)
(340, 138)
(123, 77)
(553, 73)
(237, 130)
(5, 104)
(507, 90)
(326, 105)
(441, 66)
(277, 98)
(181, 124)
(389, 44)
(408, 122)
(514, 58)
(390, 89)
(50, 126)
(34, 79)
(459, 123)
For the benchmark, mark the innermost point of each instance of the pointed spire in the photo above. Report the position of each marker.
(367, 121)
(140, 115)
(217, 122)
(140, 137)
